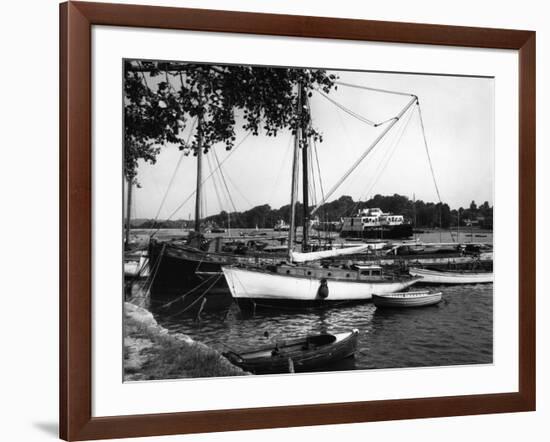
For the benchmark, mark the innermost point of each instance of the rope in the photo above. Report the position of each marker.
(393, 147)
(196, 300)
(428, 151)
(384, 162)
(173, 301)
(246, 200)
(318, 170)
(385, 91)
(432, 170)
(347, 110)
(153, 273)
(204, 181)
(182, 155)
(367, 151)
(281, 167)
(218, 197)
(220, 171)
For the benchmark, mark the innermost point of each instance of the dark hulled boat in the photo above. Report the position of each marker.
(298, 355)
(179, 268)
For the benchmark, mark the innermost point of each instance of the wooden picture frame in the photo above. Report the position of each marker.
(76, 21)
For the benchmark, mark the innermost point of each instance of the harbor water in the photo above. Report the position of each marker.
(457, 331)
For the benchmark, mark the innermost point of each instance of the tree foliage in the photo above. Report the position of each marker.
(428, 214)
(162, 99)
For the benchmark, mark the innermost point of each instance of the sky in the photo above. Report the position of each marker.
(458, 115)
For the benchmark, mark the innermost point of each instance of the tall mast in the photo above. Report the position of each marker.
(294, 185)
(414, 211)
(128, 213)
(305, 184)
(198, 194)
(458, 226)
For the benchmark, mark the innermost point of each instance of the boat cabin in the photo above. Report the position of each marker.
(368, 270)
(353, 272)
(371, 218)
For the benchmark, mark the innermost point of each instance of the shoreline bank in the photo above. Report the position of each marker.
(151, 352)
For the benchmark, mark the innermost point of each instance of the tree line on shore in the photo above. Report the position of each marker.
(421, 214)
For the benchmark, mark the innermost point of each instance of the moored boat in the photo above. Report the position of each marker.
(407, 299)
(373, 223)
(281, 226)
(307, 286)
(446, 277)
(299, 355)
(136, 265)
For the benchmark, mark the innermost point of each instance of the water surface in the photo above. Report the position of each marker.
(457, 331)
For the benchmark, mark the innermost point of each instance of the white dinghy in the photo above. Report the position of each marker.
(444, 277)
(407, 299)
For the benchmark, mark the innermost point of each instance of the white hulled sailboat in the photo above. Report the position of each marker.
(306, 285)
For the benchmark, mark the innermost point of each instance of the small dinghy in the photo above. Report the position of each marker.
(456, 277)
(407, 299)
(297, 355)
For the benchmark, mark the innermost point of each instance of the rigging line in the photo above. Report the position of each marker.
(345, 130)
(347, 110)
(215, 185)
(220, 171)
(208, 177)
(178, 164)
(318, 169)
(313, 186)
(367, 88)
(281, 167)
(392, 150)
(204, 206)
(180, 297)
(428, 151)
(367, 151)
(246, 200)
(201, 296)
(311, 152)
(224, 181)
(392, 143)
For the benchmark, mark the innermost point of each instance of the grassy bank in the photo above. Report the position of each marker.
(151, 352)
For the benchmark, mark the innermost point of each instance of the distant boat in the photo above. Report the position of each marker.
(407, 299)
(281, 226)
(444, 277)
(217, 230)
(373, 223)
(302, 354)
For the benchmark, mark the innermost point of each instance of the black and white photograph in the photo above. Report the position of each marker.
(281, 220)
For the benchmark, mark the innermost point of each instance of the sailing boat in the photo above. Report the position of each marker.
(192, 266)
(311, 285)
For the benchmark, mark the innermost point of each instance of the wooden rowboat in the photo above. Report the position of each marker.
(444, 277)
(407, 299)
(297, 355)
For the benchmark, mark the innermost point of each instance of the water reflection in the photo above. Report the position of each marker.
(456, 331)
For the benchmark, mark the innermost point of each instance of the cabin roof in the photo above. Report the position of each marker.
(367, 267)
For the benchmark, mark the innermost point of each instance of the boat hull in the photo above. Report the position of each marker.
(400, 231)
(179, 269)
(437, 277)
(407, 300)
(253, 288)
(295, 356)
